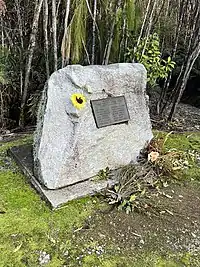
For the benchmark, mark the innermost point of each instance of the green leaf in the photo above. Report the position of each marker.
(132, 198)
(169, 59)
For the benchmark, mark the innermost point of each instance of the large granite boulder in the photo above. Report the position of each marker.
(68, 146)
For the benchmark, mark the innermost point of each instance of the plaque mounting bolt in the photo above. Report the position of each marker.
(108, 93)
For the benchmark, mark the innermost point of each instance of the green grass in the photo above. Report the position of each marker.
(28, 227)
(186, 142)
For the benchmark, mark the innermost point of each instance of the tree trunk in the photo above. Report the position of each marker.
(46, 43)
(161, 105)
(110, 40)
(31, 47)
(54, 32)
(143, 23)
(57, 9)
(20, 23)
(149, 27)
(65, 56)
(94, 31)
(185, 78)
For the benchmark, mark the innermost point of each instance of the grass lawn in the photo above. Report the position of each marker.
(87, 233)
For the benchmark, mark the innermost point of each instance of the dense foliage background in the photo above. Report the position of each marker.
(41, 36)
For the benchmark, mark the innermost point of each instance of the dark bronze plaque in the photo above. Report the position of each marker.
(109, 111)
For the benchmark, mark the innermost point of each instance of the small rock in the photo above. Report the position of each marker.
(44, 258)
(142, 241)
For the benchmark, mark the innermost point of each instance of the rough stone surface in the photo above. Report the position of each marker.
(68, 147)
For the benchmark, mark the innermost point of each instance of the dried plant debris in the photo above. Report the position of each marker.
(138, 185)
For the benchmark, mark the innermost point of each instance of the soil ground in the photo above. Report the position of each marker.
(187, 118)
(173, 234)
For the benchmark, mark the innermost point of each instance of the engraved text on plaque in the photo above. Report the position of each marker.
(109, 111)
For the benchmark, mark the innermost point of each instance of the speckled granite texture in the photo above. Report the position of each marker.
(68, 147)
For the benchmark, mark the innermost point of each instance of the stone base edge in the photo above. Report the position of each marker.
(58, 197)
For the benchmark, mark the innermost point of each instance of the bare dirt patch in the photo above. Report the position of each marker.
(175, 229)
(187, 118)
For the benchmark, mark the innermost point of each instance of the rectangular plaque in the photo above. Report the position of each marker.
(110, 110)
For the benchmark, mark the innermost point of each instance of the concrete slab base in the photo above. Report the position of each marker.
(23, 157)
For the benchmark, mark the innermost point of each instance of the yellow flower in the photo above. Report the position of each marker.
(153, 156)
(78, 100)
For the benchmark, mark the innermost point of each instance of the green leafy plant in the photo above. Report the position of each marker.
(148, 53)
(102, 174)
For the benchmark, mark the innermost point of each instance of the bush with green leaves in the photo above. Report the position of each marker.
(148, 53)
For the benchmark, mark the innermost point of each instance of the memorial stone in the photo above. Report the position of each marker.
(90, 118)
